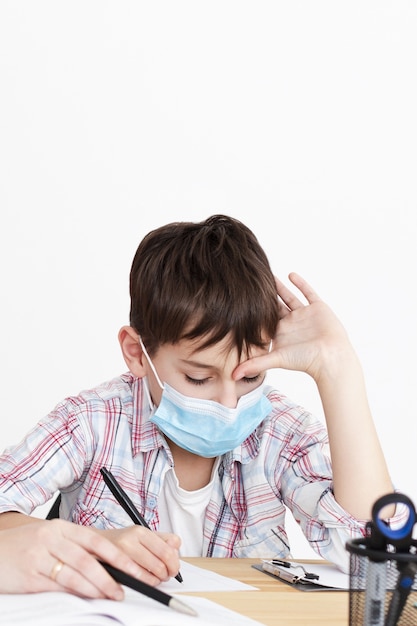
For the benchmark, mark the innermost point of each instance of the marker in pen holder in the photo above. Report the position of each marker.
(383, 571)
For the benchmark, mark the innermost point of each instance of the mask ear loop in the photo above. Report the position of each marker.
(151, 365)
(147, 393)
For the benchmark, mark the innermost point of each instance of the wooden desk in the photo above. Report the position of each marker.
(275, 603)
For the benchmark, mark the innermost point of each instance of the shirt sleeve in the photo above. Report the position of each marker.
(305, 480)
(52, 456)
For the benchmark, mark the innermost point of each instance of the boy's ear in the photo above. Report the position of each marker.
(132, 351)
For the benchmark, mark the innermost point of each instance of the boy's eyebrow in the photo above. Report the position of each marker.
(197, 364)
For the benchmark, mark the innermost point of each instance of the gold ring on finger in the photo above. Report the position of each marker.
(55, 570)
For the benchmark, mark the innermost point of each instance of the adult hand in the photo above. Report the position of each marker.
(307, 336)
(58, 555)
(156, 553)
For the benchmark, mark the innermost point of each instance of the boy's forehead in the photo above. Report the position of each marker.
(195, 353)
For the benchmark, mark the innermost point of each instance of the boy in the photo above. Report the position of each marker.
(204, 448)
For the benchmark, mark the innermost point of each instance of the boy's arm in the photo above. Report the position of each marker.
(155, 555)
(360, 473)
(11, 519)
(311, 339)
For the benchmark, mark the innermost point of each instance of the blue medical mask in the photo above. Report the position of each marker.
(204, 427)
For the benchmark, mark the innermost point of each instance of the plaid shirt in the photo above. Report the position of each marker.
(284, 463)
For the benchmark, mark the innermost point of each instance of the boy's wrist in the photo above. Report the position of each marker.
(337, 364)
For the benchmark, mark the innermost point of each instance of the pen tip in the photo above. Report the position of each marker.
(176, 604)
(179, 578)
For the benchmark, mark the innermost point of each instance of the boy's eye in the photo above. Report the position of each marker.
(203, 381)
(196, 381)
(253, 379)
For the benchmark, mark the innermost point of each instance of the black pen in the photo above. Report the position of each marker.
(148, 590)
(127, 504)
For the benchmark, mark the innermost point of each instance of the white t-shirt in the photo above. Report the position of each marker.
(182, 512)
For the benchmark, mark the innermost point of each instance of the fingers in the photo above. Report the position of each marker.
(83, 577)
(160, 554)
(72, 560)
(162, 557)
(172, 540)
(255, 365)
(305, 288)
(289, 332)
(55, 556)
(155, 553)
(76, 569)
(290, 301)
(59, 555)
(100, 547)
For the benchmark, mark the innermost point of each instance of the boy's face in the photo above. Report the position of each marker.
(205, 373)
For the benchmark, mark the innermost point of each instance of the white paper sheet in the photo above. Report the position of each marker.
(200, 579)
(61, 609)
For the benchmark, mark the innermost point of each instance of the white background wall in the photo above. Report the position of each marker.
(299, 118)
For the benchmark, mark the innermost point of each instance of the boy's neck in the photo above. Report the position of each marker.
(193, 472)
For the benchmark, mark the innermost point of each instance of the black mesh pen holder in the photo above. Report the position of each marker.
(383, 585)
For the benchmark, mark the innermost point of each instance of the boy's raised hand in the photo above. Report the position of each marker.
(308, 337)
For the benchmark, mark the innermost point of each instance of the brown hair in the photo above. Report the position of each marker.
(203, 279)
